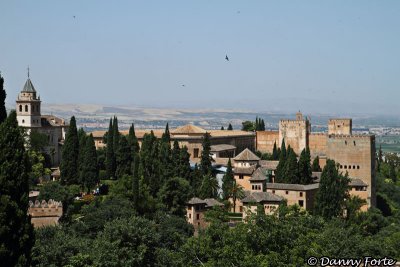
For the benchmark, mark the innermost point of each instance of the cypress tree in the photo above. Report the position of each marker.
(184, 164)
(205, 162)
(196, 180)
(230, 128)
(89, 170)
(305, 173)
(135, 181)
(149, 163)
(175, 159)
(275, 155)
(257, 124)
(116, 137)
(333, 190)
(222, 128)
(279, 173)
(81, 157)
(123, 158)
(16, 231)
(166, 168)
(70, 154)
(290, 172)
(133, 142)
(110, 157)
(228, 181)
(315, 165)
(3, 112)
(380, 156)
(262, 125)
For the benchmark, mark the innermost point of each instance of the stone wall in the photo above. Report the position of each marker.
(340, 126)
(355, 155)
(265, 141)
(295, 133)
(317, 144)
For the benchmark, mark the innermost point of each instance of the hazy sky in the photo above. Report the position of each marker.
(323, 56)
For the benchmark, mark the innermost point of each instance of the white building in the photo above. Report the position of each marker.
(28, 107)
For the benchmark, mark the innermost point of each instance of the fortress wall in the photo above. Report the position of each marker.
(295, 133)
(356, 156)
(265, 141)
(340, 126)
(317, 144)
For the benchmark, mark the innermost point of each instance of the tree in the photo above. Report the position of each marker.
(315, 165)
(237, 192)
(222, 128)
(279, 173)
(70, 154)
(149, 163)
(228, 182)
(205, 162)
(116, 136)
(333, 190)
(166, 166)
(290, 170)
(209, 187)
(196, 180)
(123, 158)
(184, 164)
(110, 156)
(3, 94)
(305, 173)
(37, 141)
(81, 160)
(135, 181)
(133, 142)
(16, 231)
(38, 169)
(174, 194)
(275, 154)
(230, 128)
(392, 171)
(248, 126)
(126, 242)
(90, 173)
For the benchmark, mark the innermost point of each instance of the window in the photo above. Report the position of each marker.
(345, 142)
(23, 121)
(301, 203)
(287, 192)
(358, 167)
(190, 216)
(301, 194)
(240, 176)
(33, 108)
(354, 142)
(20, 108)
(341, 166)
(241, 208)
(196, 153)
(198, 216)
(345, 166)
(26, 108)
(273, 191)
(354, 166)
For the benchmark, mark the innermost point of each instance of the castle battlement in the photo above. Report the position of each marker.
(319, 134)
(45, 204)
(353, 136)
(45, 212)
(292, 121)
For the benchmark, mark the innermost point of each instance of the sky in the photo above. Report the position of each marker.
(314, 56)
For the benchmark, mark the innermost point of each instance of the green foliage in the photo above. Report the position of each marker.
(70, 152)
(205, 162)
(209, 187)
(90, 173)
(174, 195)
(38, 169)
(126, 242)
(275, 153)
(248, 126)
(259, 125)
(315, 165)
(149, 163)
(290, 172)
(333, 190)
(230, 128)
(3, 94)
(37, 141)
(305, 173)
(110, 155)
(16, 231)
(123, 158)
(279, 173)
(237, 192)
(228, 181)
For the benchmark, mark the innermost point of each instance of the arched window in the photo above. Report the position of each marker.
(26, 108)
(20, 108)
(33, 108)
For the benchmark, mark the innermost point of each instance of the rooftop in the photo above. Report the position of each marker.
(259, 175)
(28, 87)
(262, 197)
(223, 147)
(188, 129)
(246, 155)
(294, 187)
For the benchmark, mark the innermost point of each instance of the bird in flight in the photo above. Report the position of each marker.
(227, 58)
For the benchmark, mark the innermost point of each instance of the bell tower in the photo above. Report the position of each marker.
(28, 106)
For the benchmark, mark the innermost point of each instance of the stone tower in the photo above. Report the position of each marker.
(28, 106)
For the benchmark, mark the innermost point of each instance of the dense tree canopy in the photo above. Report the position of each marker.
(70, 155)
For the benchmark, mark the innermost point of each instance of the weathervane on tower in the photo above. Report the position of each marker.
(28, 71)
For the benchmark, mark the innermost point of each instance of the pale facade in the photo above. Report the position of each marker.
(28, 108)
